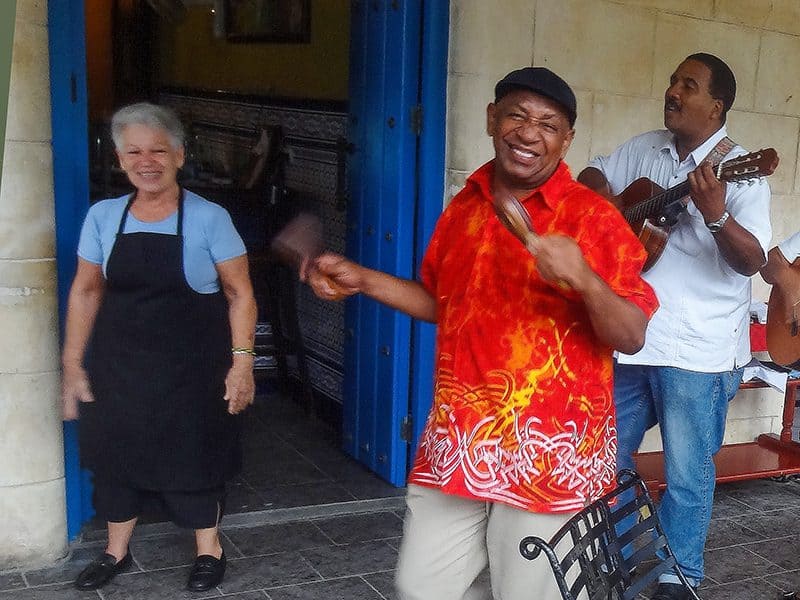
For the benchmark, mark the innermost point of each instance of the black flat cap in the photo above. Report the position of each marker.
(541, 81)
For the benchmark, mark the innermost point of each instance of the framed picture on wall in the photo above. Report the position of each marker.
(286, 21)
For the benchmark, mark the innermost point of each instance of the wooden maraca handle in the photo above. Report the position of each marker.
(301, 241)
(516, 219)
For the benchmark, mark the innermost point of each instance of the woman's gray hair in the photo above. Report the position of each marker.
(149, 115)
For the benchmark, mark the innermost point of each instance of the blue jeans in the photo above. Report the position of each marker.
(690, 409)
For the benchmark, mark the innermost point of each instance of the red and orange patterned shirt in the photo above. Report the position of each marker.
(522, 411)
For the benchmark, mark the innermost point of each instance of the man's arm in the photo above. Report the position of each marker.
(740, 248)
(776, 270)
(616, 321)
(595, 180)
(350, 278)
(785, 276)
(781, 259)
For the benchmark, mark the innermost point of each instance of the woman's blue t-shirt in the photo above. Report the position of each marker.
(209, 236)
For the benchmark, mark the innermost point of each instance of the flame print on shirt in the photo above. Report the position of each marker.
(496, 442)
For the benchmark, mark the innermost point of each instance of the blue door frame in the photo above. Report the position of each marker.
(430, 193)
(398, 73)
(398, 62)
(70, 127)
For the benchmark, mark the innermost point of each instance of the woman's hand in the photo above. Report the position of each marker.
(74, 389)
(85, 296)
(240, 387)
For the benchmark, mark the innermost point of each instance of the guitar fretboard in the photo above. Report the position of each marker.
(750, 166)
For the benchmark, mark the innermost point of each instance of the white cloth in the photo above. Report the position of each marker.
(755, 369)
(703, 322)
(790, 247)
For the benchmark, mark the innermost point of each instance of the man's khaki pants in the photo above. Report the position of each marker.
(449, 540)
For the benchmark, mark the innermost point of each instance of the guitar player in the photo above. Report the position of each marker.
(697, 342)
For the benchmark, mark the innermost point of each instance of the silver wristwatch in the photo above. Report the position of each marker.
(715, 226)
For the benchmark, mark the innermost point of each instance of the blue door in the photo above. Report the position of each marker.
(397, 105)
(398, 80)
(71, 188)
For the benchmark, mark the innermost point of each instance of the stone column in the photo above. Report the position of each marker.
(32, 502)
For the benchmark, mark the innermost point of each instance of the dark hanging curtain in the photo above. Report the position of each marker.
(134, 46)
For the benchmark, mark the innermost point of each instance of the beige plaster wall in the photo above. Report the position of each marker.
(32, 507)
(618, 56)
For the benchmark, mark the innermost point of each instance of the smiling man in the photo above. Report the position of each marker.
(521, 432)
(698, 342)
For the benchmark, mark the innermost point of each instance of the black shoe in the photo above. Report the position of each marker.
(672, 591)
(207, 573)
(101, 570)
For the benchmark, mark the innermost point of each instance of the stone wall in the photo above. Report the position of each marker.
(32, 507)
(618, 56)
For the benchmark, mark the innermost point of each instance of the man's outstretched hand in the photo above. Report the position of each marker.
(332, 276)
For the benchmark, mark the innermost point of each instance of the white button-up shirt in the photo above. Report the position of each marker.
(703, 322)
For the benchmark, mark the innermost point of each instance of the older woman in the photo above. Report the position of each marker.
(158, 356)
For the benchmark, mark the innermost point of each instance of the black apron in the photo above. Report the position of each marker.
(157, 362)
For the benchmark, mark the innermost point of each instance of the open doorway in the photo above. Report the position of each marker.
(388, 187)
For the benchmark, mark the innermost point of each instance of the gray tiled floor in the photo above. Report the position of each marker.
(350, 557)
(293, 461)
(752, 553)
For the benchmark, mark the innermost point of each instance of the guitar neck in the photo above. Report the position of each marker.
(656, 204)
(750, 166)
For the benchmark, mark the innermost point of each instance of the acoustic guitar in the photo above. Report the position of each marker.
(651, 210)
(783, 320)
